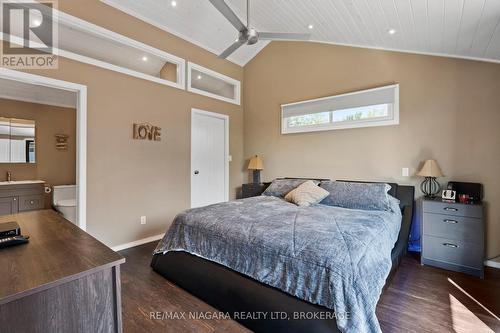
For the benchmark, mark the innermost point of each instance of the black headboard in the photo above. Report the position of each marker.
(405, 194)
(316, 179)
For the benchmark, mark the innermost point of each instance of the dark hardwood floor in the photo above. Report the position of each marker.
(419, 299)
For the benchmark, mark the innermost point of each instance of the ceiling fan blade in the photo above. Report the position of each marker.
(224, 9)
(227, 52)
(283, 36)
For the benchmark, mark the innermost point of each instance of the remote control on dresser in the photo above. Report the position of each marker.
(14, 240)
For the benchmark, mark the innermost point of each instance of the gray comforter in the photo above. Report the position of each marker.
(335, 257)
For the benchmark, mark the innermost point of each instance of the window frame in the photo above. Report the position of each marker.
(391, 119)
(237, 84)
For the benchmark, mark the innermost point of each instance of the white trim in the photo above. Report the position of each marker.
(226, 149)
(100, 32)
(432, 54)
(81, 130)
(81, 158)
(493, 262)
(169, 30)
(36, 101)
(225, 78)
(137, 242)
(392, 119)
(123, 70)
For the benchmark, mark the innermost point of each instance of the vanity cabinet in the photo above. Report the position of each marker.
(8, 206)
(18, 197)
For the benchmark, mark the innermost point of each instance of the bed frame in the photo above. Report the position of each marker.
(231, 292)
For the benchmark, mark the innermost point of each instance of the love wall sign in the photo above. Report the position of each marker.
(146, 131)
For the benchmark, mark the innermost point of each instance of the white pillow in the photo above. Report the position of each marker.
(306, 194)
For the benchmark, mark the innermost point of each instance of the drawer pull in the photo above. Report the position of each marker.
(450, 245)
(32, 202)
(450, 221)
(451, 209)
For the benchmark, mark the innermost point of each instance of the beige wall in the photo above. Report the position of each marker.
(128, 178)
(449, 110)
(54, 166)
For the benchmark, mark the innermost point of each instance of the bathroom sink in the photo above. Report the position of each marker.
(21, 182)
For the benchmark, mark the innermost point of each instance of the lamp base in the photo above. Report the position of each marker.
(256, 176)
(430, 187)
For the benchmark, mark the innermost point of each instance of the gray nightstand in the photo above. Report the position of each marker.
(453, 236)
(253, 189)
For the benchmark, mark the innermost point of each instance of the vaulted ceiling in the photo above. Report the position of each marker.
(457, 28)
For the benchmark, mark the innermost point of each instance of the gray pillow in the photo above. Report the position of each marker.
(366, 196)
(281, 187)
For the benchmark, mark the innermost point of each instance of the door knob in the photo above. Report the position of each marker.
(196, 172)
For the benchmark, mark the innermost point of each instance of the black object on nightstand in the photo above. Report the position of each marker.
(453, 236)
(253, 190)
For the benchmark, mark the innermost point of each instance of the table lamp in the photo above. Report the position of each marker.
(430, 170)
(256, 165)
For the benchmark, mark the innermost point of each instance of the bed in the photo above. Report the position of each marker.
(264, 303)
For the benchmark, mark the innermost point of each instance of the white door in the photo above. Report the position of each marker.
(209, 158)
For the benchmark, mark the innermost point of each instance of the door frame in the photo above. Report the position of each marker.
(81, 130)
(224, 117)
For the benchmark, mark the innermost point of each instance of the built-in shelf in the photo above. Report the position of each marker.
(209, 83)
(85, 42)
(89, 43)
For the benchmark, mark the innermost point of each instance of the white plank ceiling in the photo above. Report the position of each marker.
(456, 28)
(27, 92)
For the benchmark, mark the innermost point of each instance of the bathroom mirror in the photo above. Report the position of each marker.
(17, 140)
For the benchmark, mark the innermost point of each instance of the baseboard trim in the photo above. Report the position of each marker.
(137, 242)
(492, 263)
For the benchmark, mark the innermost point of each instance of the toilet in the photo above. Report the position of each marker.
(64, 201)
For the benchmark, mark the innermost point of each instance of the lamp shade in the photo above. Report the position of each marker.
(256, 163)
(430, 169)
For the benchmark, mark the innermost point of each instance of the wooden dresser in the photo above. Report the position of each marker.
(453, 236)
(63, 280)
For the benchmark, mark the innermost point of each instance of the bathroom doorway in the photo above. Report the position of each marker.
(22, 152)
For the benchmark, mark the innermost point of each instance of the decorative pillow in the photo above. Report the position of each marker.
(280, 187)
(306, 194)
(366, 196)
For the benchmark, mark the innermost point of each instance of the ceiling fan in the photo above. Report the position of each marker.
(248, 35)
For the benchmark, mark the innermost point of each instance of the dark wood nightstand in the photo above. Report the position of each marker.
(453, 236)
(253, 189)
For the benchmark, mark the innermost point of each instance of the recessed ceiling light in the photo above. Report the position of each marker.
(174, 3)
(391, 31)
(35, 19)
(310, 26)
(199, 77)
(144, 58)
